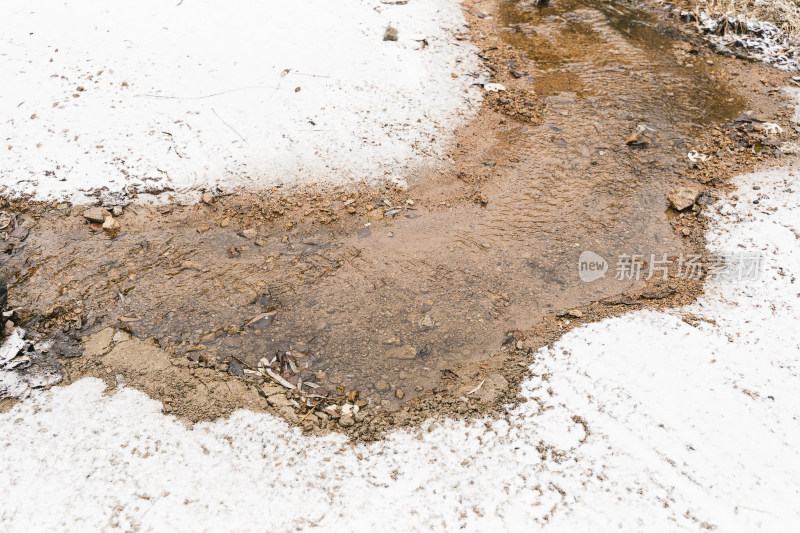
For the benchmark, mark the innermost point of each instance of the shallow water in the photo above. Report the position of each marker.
(378, 312)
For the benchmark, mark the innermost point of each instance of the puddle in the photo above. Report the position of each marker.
(393, 305)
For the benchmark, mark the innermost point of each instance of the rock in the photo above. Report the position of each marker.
(390, 34)
(346, 421)
(684, 197)
(236, 368)
(99, 343)
(375, 215)
(207, 198)
(492, 388)
(111, 225)
(572, 313)
(121, 336)
(117, 211)
(279, 400)
(399, 394)
(249, 233)
(382, 386)
(96, 214)
(640, 137)
(401, 352)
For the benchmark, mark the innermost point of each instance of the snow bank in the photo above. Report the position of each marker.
(153, 96)
(690, 426)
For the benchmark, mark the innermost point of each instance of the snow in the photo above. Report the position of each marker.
(690, 426)
(119, 97)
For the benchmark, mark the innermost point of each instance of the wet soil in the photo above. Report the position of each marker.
(413, 297)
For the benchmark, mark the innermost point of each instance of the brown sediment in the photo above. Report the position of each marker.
(415, 297)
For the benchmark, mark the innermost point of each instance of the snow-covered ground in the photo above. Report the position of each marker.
(152, 95)
(690, 426)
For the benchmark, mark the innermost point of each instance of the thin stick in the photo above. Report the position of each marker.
(231, 127)
(306, 415)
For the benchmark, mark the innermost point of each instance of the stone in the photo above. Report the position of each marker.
(99, 343)
(207, 198)
(250, 233)
(684, 197)
(375, 215)
(399, 394)
(390, 34)
(121, 336)
(96, 214)
(346, 421)
(382, 386)
(117, 211)
(236, 368)
(401, 352)
(111, 225)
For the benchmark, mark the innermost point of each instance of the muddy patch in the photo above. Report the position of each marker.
(430, 297)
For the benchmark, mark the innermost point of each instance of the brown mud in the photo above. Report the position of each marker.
(400, 302)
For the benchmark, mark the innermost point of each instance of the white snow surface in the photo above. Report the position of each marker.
(690, 427)
(153, 96)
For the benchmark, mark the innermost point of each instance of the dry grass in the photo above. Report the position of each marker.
(783, 13)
